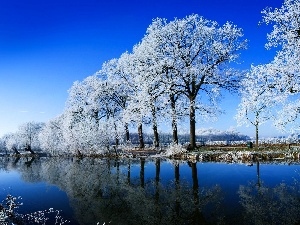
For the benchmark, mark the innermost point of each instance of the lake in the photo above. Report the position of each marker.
(153, 190)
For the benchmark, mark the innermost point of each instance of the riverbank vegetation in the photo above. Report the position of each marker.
(9, 214)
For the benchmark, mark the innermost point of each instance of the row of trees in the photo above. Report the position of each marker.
(26, 138)
(178, 70)
(52, 138)
(176, 73)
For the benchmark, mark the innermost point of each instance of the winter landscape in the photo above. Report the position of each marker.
(129, 146)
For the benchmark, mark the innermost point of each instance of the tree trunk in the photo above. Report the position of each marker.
(175, 133)
(117, 136)
(127, 135)
(15, 150)
(96, 116)
(79, 154)
(154, 127)
(256, 135)
(141, 138)
(156, 138)
(28, 148)
(192, 125)
(174, 120)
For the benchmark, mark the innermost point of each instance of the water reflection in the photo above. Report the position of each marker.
(140, 191)
(270, 205)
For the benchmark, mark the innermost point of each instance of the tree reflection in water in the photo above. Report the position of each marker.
(101, 191)
(270, 205)
(127, 192)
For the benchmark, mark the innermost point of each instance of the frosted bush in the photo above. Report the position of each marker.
(175, 149)
(127, 146)
(9, 215)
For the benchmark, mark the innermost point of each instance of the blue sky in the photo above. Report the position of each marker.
(47, 45)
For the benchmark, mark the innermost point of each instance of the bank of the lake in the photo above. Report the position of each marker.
(230, 154)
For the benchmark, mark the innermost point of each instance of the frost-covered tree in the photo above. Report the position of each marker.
(81, 116)
(286, 68)
(287, 72)
(25, 138)
(286, 24)
(200, 49)
(119, 90)
(2, 145)
(11, 141)
(258, 97)
(28, 134)
(149, 72)
(137, 110)
(109, 99)
(86, 114)
(51, 137)
(160, 79)
(91, 116)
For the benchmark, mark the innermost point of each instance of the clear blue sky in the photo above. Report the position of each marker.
(45, 45)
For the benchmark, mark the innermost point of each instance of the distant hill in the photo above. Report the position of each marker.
(202, 135)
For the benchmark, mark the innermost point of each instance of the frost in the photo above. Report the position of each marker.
(175, 149)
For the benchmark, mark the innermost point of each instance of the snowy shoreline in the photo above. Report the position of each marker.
(237, 155)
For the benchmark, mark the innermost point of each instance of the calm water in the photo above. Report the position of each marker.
(154, 191)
